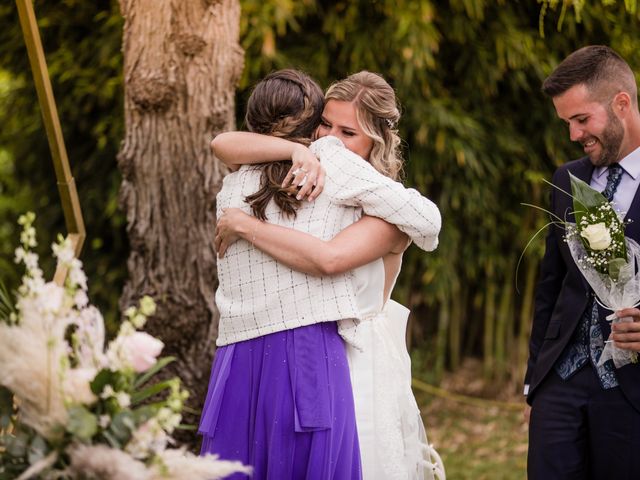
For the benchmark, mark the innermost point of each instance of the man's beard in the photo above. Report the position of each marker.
(610, 141)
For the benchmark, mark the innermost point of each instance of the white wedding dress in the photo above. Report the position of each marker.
(393, 441)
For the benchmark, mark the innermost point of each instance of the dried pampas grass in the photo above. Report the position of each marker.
(183, 465)
(104, 463)
(31, 356)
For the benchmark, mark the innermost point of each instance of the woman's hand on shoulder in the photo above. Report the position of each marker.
(306, 173)
(233, 225)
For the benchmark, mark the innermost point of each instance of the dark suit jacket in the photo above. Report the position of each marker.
(562, 292)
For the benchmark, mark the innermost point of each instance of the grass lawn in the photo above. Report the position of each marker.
(479, 441)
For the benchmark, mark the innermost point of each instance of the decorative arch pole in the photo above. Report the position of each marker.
(66, 184)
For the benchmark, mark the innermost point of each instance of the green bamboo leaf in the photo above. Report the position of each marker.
(160, 364)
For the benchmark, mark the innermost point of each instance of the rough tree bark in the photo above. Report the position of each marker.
(182, 62)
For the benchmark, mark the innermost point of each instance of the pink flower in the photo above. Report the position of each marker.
(141, 350)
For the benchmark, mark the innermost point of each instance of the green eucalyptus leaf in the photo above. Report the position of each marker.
(112, 440)
(38, 449)
(103, 378)
(122, 426)
(82, 424)
(17, 444)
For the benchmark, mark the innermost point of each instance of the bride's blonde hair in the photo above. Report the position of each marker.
(378, 114)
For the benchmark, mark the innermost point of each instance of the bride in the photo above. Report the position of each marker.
(361, 111)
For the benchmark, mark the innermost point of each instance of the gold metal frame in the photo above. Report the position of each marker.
(66, 184)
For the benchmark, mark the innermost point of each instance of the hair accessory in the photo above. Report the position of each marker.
(389, 122)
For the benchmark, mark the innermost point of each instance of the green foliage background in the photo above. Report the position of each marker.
(479, 135)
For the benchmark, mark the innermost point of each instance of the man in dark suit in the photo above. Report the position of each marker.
(584, 418)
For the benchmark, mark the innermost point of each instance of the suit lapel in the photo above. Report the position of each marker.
(632, 230)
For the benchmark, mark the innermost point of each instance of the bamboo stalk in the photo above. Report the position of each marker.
(441, 339)
(526, 316)
(458, 305)
(502, 320)
(66, 184)
(489, 325)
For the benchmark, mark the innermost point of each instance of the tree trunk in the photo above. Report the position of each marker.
(182, 61)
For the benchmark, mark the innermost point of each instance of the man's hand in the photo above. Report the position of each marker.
(527, 413)
(626, 335)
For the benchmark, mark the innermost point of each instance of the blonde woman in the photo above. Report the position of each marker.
(361, 112)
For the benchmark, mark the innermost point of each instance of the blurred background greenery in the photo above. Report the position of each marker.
(479, 140)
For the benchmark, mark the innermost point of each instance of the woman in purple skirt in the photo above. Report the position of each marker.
(280, 397)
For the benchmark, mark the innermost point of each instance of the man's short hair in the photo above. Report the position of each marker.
(599, 68)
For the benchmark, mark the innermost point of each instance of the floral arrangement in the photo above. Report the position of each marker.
(600, 229)
(71, 408)
(606, 257)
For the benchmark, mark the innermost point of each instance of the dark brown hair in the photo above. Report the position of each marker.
(599, 68)
(286, 104)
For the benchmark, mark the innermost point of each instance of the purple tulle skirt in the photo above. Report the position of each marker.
(283, 404)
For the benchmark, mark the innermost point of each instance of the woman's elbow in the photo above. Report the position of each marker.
(218, 148)
(331, 265)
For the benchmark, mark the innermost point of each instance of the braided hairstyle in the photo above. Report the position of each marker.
(378, 114)
(286, 104)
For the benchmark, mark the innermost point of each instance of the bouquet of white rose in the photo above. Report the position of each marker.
(71, 408)
(606, 258)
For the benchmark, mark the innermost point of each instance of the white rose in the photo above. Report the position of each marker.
(141, 350)
(597, 235)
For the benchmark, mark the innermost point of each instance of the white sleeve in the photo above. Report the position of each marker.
(352, 181)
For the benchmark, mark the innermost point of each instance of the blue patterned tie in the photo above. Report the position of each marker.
(587, 342)
(614, 176)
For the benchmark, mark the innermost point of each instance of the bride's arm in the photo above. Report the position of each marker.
(235, 149)
(241, 148)
(364, 241)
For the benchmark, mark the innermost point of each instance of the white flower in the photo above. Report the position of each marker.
(597, 235)
(148, 438)
(123, 399)
(63, 251)
(77, 276)
(51, 298)
(104, 421)
(147, 306)
(107, 392)
(77, 385)
(80, 299)
(141, 350)
(138, 320)
(167, 419)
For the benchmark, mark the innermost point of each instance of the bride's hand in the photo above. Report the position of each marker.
(232, 225)
(306, 172)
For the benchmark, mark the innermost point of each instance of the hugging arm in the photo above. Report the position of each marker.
(351, 248)
(235, 149)
(352, 181)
